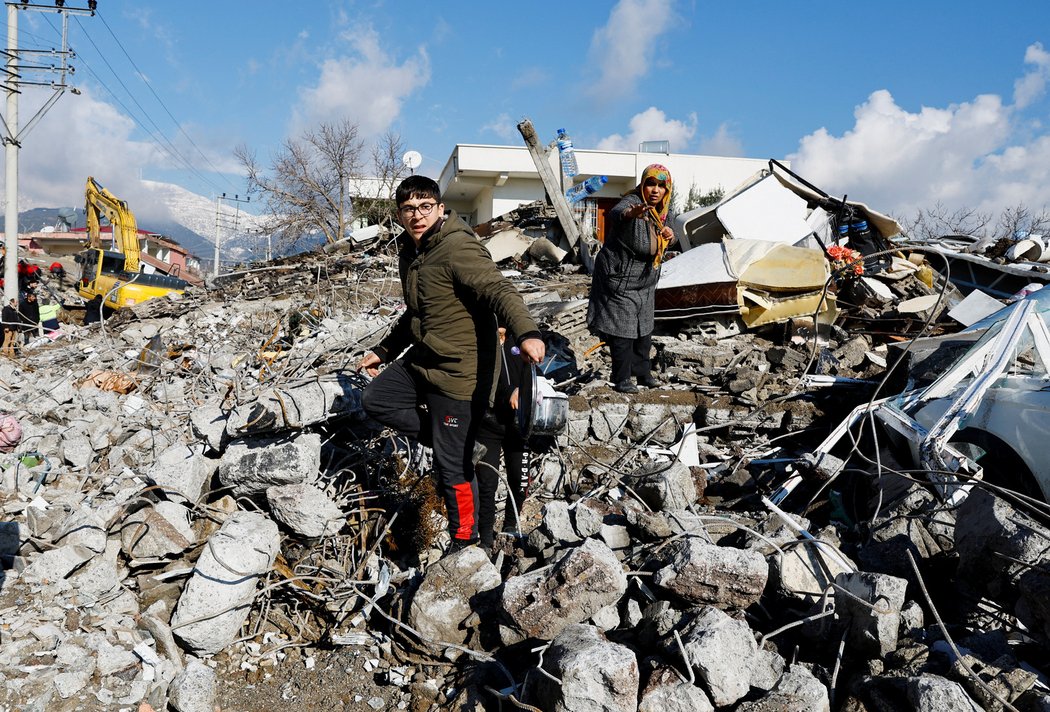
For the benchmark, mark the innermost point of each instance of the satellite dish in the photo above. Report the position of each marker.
(412, 159)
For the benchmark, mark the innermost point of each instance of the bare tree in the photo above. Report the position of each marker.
(307, 188)
(931, 223)
(378, 208)
(1019, 221)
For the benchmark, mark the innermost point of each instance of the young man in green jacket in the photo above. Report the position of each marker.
(453, 295)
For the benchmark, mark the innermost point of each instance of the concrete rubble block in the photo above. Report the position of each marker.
(585, 580)
(596, 675)
(665, 487)
(799, 690)
(183, 471)
(250, 466)
(767, 669)
(305, 509)
(803, 572)
(327, 397)
(608, 421)
(1034, 606)
(555, 527)
(992, 543)
(721, 650)
(217, 598)
(101, 576)
(657, 421)
(209, 425)
(615, 537)
(721, 576)
(588, 516)
(606, 619)
(56, 564)
(194, 689)
(83, 526)
(111, 659)
(872, 631)
(102, 431)
(157, 531)
(932, 693)
(449, 595)
(667, 692)
(1004, 676)
(579, 426)
(68, 684)
(76, 450)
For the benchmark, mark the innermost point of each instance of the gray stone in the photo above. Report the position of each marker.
(209, 424)
(100, 576)
(721, 650)
(305, 509)
(608, 421)
(871, 632)
(799, 683)
(250, 466)
(656, 421)
(83, 526)
(156, 532)
(182, 471)
(767, 669)
(665, 487)
(606, 619)
(1004, 676)
(56, 564)
(579, 426)
(555, 527)
(667, 692)
(931, 693)
(111, 659)
(317, 400)
(716, 575)
(68, 684)
(588, 517)
(76, 450)
(447, 597)
(218, 596)
(596, 675)
(194, 689)
(804, 571)
(585, 580)
(615, 536)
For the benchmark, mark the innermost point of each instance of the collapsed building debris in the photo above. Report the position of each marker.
(217, 510)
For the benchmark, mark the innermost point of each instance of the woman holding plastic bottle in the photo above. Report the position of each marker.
(623, 287)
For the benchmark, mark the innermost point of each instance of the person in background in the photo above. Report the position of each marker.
(12, 324)
(623, 286)
(30, 311)
(453, 294)
(93, 310)
(498, 431)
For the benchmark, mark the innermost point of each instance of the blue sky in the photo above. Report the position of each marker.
(900, 104)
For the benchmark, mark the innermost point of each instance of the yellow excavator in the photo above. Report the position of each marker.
(115, 275)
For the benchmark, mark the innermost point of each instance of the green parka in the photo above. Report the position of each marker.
(453, 294)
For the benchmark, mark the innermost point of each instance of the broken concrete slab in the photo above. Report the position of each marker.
(183, 471)
(719, 576)
(667, 692)
(250, 466)
(932, 693)
(448, 596)
(870, 607)
(305, 509)
(218, 596)
(595, 675)
(721, 650)
(194, 689)
(665, 486)
(582, 582)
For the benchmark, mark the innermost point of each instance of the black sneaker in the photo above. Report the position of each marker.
(649, 381)
(459, 545)
(626, 387)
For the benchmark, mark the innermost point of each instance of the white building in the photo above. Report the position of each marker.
(482, 182)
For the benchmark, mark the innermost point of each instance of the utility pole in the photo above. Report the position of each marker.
(11, 82)
(225, 221)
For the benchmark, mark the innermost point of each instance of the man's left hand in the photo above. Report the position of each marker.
(533, 350)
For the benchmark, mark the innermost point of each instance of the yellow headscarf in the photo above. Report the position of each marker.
(660, 173)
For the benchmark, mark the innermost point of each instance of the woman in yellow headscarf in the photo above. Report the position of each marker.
(623, 286)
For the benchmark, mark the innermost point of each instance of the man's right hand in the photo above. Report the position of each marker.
(370, 364)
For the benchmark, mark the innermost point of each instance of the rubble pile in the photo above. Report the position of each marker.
(197, 499)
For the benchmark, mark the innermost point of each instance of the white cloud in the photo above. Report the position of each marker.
(721, 143)
(366, 86)
(503, 126)
(980, 154)
(80, 137)
(652, 125)
(1032, 85)
(622, 49)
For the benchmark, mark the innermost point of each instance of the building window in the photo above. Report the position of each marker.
(586, 214)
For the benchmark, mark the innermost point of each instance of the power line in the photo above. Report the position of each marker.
(142, 76)
(162, 141)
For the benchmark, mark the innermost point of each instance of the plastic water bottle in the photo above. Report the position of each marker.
(581, 190)
(568, 156)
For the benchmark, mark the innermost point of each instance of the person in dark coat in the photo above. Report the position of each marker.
(30, 311)
(499, 431)
(12, 324)
(623, 287)
(93, 310)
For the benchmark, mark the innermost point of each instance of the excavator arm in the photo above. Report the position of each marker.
(99, 203)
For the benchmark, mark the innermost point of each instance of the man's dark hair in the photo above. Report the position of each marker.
(417, 188)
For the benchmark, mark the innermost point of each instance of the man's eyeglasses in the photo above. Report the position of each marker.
(423, 209)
